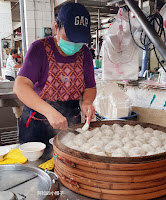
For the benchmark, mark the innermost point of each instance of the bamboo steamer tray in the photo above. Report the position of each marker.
(111, 178)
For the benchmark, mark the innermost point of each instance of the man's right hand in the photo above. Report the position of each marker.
(23, 88)
(57, 120)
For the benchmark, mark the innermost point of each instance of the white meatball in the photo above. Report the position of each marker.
(128, 127)
(140, 138)
(87, 134)
(116, 136)
(118, 153)
(96, 130)
(160, 150)
(79, 139)
(163, 142)
(107, 132)
(125, 140)
(136, 151)
(163, 136)
(75, 148)
(115, 126)
(112, 146)
(103, 127)
(138, 127)
(130, 135)
(150, 153)
(149, 130)
(138, 132)
(100, 154)
(99, 134)
(152, 139)
(85, 151)
(157, 133)
(69, 144)
(117, 143)
(127, 147)
(137, 143)
(95, 149)
(164, 146)
(69, 135)
(156, 143)
(120, 132)
(148, 148)
(147, 135)
(86, 146)
(106, 139)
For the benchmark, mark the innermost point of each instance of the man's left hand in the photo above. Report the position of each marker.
(89, 111)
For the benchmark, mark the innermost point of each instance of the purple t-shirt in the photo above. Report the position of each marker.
(35, 66)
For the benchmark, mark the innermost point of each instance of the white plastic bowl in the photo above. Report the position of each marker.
(32, 150)
(3, 152)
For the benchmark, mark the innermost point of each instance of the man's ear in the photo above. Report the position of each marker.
(56, 27)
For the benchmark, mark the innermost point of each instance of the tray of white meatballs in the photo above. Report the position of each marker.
(117, 141)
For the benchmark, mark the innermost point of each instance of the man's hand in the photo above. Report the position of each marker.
(88, 98)
(57, 120)
(91, 113)
(23, 88)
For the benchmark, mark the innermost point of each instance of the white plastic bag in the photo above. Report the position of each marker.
(162, 76)
(111, 102)
(119, 52)
(163, 14)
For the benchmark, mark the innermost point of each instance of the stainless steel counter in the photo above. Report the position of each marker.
(66, 193)
(7, 97)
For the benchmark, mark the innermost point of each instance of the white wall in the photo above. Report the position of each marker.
(38, 14)
(6, 19)
(5, 22)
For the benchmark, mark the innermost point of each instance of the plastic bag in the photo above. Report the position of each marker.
(111, 102)
(163, 14)
(119, 52)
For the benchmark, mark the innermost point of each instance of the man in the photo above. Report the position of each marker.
(56, 72)
(11, 66)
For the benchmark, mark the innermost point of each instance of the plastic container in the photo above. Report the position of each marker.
(132, 116)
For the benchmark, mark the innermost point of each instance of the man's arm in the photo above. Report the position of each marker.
(89, 96)
(14, 64)
(23, 88)
(17, 66)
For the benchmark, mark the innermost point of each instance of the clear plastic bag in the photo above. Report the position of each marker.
(119, 52)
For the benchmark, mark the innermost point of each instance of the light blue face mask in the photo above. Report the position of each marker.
(69, 48)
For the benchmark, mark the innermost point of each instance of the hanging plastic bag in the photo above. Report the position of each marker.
(163, 14)
(119, 52)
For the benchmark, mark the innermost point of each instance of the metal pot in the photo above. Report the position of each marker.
(28, 182)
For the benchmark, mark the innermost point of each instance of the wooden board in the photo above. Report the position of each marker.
(149, 115)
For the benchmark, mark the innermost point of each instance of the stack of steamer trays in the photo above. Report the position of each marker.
(111, 178)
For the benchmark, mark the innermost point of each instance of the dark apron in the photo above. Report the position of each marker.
(42, 131)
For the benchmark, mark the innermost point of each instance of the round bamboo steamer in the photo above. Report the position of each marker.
(100, 177)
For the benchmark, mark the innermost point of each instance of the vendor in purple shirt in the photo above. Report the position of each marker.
(56, 72)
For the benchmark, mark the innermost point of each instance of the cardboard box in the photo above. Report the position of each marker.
(148, 115)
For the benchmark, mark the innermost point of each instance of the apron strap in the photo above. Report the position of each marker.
(32, 116)
(32, 113)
